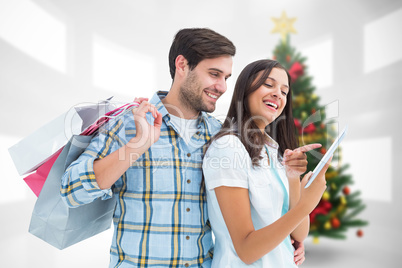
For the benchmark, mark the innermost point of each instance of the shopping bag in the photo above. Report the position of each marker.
(59, 225)
(38, 147)
(52, 220)
(37, 179)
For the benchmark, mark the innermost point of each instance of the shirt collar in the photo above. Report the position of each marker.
(271, 142)
(157, 101)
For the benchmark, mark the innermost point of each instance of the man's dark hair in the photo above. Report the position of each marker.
(197, 44)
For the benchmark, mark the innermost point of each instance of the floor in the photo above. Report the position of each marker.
(378, 247)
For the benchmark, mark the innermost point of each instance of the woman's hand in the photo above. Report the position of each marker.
(310, 196)
(295, 160)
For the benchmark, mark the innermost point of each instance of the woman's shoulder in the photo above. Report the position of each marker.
(226, 163)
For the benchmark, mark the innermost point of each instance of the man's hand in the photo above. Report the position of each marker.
(299, 252)
(146, 134)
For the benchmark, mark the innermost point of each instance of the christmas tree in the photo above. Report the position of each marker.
(339, 206)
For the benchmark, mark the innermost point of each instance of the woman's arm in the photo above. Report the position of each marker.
(251, 245)
(296, 164)
(301, 231)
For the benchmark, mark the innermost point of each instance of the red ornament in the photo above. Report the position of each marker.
(295, 71)
(313, 111)
(359, 233)
(287, 58)
(335, 223)
(322, 125)
(323, 208)
(326, 205)
(323, 150)
(346, 190)
(298, 125)
(309, 129)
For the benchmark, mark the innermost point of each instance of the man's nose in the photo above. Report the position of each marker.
(221, 85)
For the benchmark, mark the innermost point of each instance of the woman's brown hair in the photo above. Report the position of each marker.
(240, 122)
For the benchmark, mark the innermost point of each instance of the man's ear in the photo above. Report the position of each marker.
(181, 65)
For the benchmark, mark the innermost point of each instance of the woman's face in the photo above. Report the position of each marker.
(268, 101)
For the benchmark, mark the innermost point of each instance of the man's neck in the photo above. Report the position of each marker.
(174, 106)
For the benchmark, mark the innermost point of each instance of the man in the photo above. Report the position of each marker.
(151, 161)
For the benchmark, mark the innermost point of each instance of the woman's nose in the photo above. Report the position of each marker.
(277, 93)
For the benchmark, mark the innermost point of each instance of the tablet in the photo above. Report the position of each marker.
(327, 156)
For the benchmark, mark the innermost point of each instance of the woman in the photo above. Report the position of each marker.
(255, 198)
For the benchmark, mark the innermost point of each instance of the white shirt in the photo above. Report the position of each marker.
(185, 127)
(227, 163)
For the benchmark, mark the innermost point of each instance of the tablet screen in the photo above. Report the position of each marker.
(327, 156)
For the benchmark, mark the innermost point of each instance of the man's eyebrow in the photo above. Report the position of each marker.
(215, 69)
(220, 71)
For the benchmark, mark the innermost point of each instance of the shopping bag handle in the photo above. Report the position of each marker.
(109, 115)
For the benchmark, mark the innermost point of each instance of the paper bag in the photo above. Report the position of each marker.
(37, 179)
(35, 149)
(59, 225)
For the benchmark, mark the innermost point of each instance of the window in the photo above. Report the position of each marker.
(121, 70)
(371, 166)
(319, 60)
(32, 30)
(382, 43)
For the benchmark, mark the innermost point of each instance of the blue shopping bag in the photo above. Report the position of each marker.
(59, 225)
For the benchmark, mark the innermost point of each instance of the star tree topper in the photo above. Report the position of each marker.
(284, 26)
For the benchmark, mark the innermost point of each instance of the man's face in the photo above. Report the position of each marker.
(206, 83)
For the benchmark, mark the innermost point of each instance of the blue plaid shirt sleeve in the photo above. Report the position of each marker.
(78, 184)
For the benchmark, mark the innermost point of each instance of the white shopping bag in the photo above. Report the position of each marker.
(38, 147)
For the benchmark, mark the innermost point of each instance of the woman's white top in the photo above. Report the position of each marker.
(227, 163)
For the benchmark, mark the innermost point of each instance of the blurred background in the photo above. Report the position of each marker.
(55, 54)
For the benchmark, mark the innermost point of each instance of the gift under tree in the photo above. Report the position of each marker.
(339, 205)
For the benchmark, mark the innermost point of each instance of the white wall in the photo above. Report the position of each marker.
(55, 54)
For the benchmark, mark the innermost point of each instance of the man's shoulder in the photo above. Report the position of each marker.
(213, 121)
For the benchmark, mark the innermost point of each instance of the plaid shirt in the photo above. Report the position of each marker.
(161, 216)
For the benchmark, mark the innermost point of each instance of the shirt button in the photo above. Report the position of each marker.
(187, 237)
(188, 181)
(188, 154)
(188, 209)
(187, 265)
